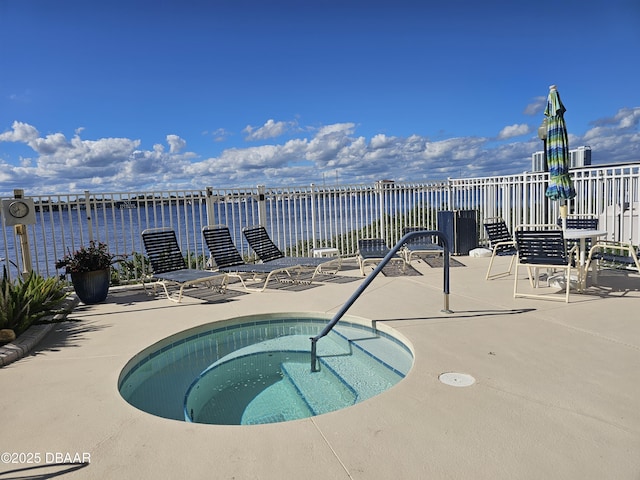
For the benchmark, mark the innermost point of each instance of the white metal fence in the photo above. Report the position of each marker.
(301, 218)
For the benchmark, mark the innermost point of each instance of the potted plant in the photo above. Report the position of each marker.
(90, 270)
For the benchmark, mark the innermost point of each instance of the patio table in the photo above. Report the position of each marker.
(325, 252)
(582, 234)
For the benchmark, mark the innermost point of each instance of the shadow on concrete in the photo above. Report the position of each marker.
(458, 314)
(66, 334)
(614, 283)
(41, 472)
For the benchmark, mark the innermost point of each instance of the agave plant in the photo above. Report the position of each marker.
(28, 300)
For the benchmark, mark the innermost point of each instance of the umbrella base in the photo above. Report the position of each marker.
(560, 281)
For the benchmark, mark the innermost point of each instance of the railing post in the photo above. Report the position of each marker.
(211, 220)
(313, 216)
(262, 206)
(87, 209)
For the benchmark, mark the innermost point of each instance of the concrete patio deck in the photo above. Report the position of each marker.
(557, 390)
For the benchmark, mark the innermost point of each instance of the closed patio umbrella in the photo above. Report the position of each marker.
(560, 184)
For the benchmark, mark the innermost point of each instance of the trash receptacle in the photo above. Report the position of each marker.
(461, 230)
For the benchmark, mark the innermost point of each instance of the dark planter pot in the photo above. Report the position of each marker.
(91, 287)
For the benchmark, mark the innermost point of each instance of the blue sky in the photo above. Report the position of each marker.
(135, 95)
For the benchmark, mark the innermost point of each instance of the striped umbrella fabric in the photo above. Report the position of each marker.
(560, 185)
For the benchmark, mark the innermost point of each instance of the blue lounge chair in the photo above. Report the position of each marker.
(269, 253)
(169, 267)
(372, 251)
(614, 254)
(419, 245)
(227, 259)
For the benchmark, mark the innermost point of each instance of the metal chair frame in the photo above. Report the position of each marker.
(502, 244)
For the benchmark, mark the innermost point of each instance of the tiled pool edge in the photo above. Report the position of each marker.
(22, 345)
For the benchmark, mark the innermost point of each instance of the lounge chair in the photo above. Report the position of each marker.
(501, 242)
(373, 250)
(616, 254)
(169, 267)
(269, 253)
(419, 245)
(542, 249)
(227, 259)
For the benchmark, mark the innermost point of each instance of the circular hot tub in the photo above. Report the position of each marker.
(257, 369)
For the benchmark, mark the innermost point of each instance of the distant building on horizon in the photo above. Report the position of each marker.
(579, 157)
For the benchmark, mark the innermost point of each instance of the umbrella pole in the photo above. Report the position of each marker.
(563, 213)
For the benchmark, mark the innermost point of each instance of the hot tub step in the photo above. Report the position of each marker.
(366, 378)
(322, 391)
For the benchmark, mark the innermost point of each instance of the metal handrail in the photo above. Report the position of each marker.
(336, 318)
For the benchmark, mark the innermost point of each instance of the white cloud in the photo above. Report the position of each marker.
(381, 141)
(329, 141)
(629, 118)
(219, 135)
(60, 164)
(51, 144)
(271, 129)
(175, 143)
(20, 132)
(615, 129)
(536, 107)
(515, 130)
(624, 118)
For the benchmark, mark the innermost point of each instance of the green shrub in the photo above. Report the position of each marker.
(26, 301)
(129, 268)
(193, 260)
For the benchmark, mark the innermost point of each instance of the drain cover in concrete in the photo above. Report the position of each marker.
(457, 379)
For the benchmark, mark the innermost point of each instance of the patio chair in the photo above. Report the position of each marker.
(615, 254)
(269, 253)
(536, 227)
(580, 222)
(169, 267)
(419, 245)
(583, 221)
(227, 259)
(501, 242)
(542, 249)
(373, 250)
